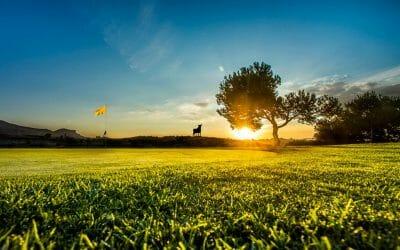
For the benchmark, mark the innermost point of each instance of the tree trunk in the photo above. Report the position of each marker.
(275, 133)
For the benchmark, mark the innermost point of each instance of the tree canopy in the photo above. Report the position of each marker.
(249, 97)
(368, 117)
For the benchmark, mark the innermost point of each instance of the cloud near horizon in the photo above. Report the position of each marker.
(176, 110)
(343, 87)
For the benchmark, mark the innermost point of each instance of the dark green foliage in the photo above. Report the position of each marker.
(246, 94)
(296, 105)
(368, 117)
(250, 96)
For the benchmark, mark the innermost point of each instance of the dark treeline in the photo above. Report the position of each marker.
(369, 117)
(134, 142)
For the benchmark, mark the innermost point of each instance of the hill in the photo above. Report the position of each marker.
(16, 131)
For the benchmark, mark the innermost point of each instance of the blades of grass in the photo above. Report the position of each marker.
(85, 239)
(26, 241)
(36, 235)
(4, 236)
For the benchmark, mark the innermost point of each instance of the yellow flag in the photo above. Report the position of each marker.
(100, 110)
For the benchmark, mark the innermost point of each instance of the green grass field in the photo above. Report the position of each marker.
(315, 197)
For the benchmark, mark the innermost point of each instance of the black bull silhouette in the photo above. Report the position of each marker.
(197, 131)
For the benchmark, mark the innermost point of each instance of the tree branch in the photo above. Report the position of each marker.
(287, 121)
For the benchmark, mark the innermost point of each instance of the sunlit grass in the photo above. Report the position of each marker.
(344, 196)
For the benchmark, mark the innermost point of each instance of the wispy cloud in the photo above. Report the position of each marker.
(144, 42)
(386, 77)
(344, 88)
(182, 110)
(330, 79)
(158, 48)
(203, 104)
(146, 15)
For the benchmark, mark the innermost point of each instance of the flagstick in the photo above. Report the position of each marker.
(105, 127)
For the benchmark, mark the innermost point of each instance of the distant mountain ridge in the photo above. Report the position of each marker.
(14, 130)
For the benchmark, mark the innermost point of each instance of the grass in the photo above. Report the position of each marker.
(299, 197)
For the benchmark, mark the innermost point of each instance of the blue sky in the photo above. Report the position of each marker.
(157, 64)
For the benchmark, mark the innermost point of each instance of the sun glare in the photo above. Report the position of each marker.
(245, 134)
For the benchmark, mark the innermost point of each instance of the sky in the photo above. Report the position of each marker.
(157, 64)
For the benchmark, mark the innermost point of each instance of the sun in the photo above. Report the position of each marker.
(244, 134)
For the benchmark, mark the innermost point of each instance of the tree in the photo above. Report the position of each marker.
(329, 124)
(249, 97)
(368, 117)
(373, 117)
